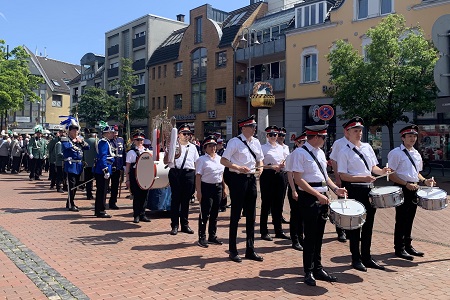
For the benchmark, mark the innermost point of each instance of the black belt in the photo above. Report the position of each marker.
(412, 182)
(213, 184)
(186, 170)
(361, 186)
(318, 184)
(246, 175)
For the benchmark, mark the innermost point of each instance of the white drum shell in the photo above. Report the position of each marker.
(386, 196)
(432, 198)
(161, 174)
(347, 214)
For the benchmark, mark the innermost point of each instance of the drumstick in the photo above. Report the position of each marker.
(432, 180)
(387, 176)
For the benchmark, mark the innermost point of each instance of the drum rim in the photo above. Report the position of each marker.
(136, 170)
(354, 200)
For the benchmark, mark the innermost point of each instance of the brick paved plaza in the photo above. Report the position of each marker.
(49, 252)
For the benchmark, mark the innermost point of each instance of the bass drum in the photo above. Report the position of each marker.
(144, 167)
(161, 174)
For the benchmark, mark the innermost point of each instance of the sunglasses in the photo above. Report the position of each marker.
(138, 139)
(272, 134)
(282, 134)
(322, 136)
(185, 133)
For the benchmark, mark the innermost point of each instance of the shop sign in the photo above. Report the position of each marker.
(185, 117)
(212, 114)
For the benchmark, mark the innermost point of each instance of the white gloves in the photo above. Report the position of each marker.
(107, 176)
(30, 156)
(106, 173)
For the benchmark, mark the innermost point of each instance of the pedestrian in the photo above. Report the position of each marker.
(210, 191)
(37, 153)
(72, 148)
(118, 147)
(103, 169)
(52, 160)
(356, 163)
(139, 195)
(90, 156)
(309, 164)
(220, 148)
(182, 181)
(16, 153)
(243, 162)
(407, 163)
(61, 176)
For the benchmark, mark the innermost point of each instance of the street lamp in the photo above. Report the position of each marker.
(249, 44)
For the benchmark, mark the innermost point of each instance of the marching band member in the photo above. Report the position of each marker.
(272, 185)
(296, 219)
(210, 191)
(102, 169)
(407, 164)
(118, 146)
(37, 150)
(356, 163)
(72, 148)
(243, 158)
(309, 166)
(182, 181)
(139, 195)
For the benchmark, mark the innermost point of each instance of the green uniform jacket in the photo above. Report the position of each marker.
(51, 150)
(38, 148)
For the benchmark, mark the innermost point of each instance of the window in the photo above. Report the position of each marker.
(165, 102)
(153, 103)
(198, 103)
(221, 59)
(198, 30)
(386, 6)
(114, 65)
(363, 9)
(56, 101)
(199, 60)
(55, 82)
(221, 96)
(376, 8)
(136, 35)
(159, 72)
(178, 66)
(141, 79)
(365, 42)
(159, 102)
(165, 71)
(309, 65)
(153, 73)
(139, 102)
(177, 102)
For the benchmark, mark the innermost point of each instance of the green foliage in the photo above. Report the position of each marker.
(94, 105)
(17, 84)
(395, 77)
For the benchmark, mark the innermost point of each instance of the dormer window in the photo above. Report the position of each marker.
(311, 14)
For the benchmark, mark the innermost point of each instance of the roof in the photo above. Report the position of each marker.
(168, 50)
(278, 18)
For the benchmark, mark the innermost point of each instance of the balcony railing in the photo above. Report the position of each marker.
(262, 50)
(139, 65)
(113, 50)
(139, 89)
(140, 41)
(113, 72)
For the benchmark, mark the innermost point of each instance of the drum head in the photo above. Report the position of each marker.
(431, 193)
(145, 172)
(384, 190)
(347, 207)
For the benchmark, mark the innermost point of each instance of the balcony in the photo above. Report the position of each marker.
(113, 72)
(270, 50)
(139, 64)
(139, 89)
(113, 50)
(140, 41)
(243, 89)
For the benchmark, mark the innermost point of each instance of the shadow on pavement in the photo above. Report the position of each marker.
(110, 238)
(164, 247)
(106, 224)
(185, 263)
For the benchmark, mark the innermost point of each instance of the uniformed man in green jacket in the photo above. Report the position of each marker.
(37, 153)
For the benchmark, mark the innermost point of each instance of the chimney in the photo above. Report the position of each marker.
(180, 17)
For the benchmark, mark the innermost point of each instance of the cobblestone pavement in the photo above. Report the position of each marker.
(48, 252)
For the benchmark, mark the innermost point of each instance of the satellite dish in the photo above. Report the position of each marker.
(442, 76)
(440, 34)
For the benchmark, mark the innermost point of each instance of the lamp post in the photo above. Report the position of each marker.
(249, 72)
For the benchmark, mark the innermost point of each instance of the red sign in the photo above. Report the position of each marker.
(292, 137)
(325, 112)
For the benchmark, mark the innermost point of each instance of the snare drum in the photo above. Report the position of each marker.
(432, 198)
(347, 214)
(386, 196)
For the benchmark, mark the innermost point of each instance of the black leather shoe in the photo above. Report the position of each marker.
(309, 279)
(297, 246)
(103, 215)
(144, 219)
(253, 256)
(187, 229)
(266, 237)
(136, 219)
(174, 231)
(60, 190)
(214, 241)
(373, 264)
(74, 208)
(412, 251)
(324, 276)
(282, 235)
(203, 243)
(358, 265)
(403, 254)
(113, 206)
(89, 198)
(342, 238)
(222, 209)
(284, 221)
(235, 257)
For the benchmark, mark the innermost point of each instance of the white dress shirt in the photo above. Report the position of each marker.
(238, 153)
(191, 158)
(350, 163)
(400, 163)
(273, 154)
(210, 168)
(337, 147)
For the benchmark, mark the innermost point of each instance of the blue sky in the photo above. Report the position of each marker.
(66, 30)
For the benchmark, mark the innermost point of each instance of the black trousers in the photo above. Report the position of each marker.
(35, 166)
(115, 182)
(88, 175)
(139, 196)
(16, 163)
(3, 163)
(296, 220)
(209, 206)
(243, 196)
(73, 180)
(404, 218)
(100, 195)
(52, 174)
(182, 185)
(272, 198)
(314, 226)
(361, 237)
(61, 177)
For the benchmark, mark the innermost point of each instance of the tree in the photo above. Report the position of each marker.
(394, 77)
(94, 106)
(17, 84)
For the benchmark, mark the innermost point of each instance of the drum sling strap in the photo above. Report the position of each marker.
(184, 159)
(410, 158)
(317, 162)
(249, 149)
(361, 156)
